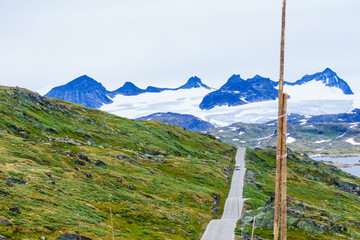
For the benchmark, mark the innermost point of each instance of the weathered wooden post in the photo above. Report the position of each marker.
(281, 148)
(78, 217)
(112, 225)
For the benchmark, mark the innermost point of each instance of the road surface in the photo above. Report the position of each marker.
(223, 229)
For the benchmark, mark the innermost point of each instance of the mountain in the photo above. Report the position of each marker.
(60, 159)
(186, 121)
(82, 90)
(128, 89)
(237, 91)
(193, 82)
(327, 77)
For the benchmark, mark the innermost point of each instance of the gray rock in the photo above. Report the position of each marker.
(169, 230)
(15, 210)
(5, 222)
(72, 237)
(3, 238)
(15, 180)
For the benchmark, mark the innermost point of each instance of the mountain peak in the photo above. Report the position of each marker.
(82, 90)
(194, 82)
(82, 81)
(128, 89)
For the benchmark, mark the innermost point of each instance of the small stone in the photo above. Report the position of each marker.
(42, 238)
(119, 179)
(15, 180)
(78, 162)
(2, 192)
(87, 174)
(5, 222)
(100, 164)
(53, 183)
(76, 168)
(15, 210)
(3, 238)
(169, 230)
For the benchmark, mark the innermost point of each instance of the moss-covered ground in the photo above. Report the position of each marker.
(163, 180)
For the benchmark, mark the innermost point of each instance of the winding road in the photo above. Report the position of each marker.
(223, 229)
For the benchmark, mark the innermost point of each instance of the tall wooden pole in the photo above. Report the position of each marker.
(281, 139)
(283, 172)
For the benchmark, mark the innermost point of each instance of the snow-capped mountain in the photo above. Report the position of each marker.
(252, 101)
(321, 85)
(83, 90)
(328, 78)
(237, 91)
(88, 92)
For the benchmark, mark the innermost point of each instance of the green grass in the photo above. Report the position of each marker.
(159, 175)
(318, 208)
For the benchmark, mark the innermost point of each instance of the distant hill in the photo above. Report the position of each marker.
(186, 121)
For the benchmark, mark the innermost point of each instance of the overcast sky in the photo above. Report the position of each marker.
(45, 43)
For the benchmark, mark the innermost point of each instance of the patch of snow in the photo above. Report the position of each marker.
(243, 141)
(233, 128)
(341, 136)
(221, 131)
(303, 121)
(260, 139)
(352, 141)
(241, 133)
(290, 140)
(236, 139)
(322, 141)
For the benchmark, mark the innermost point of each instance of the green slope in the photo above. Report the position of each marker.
(165, 182)
(323, 201)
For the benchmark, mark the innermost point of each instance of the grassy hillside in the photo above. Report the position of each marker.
(310, 138)
(59, 159)
(323, 201)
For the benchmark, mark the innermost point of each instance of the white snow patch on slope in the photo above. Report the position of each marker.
(264, 138)
(315, 90)
(352, 141)
(322, 141)
(290, 140)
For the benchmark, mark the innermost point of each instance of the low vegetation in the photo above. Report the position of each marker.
(323, 201)
(60, 159)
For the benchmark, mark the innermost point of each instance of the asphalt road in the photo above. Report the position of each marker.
(223, 229)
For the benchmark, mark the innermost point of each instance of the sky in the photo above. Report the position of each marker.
(46, 43)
